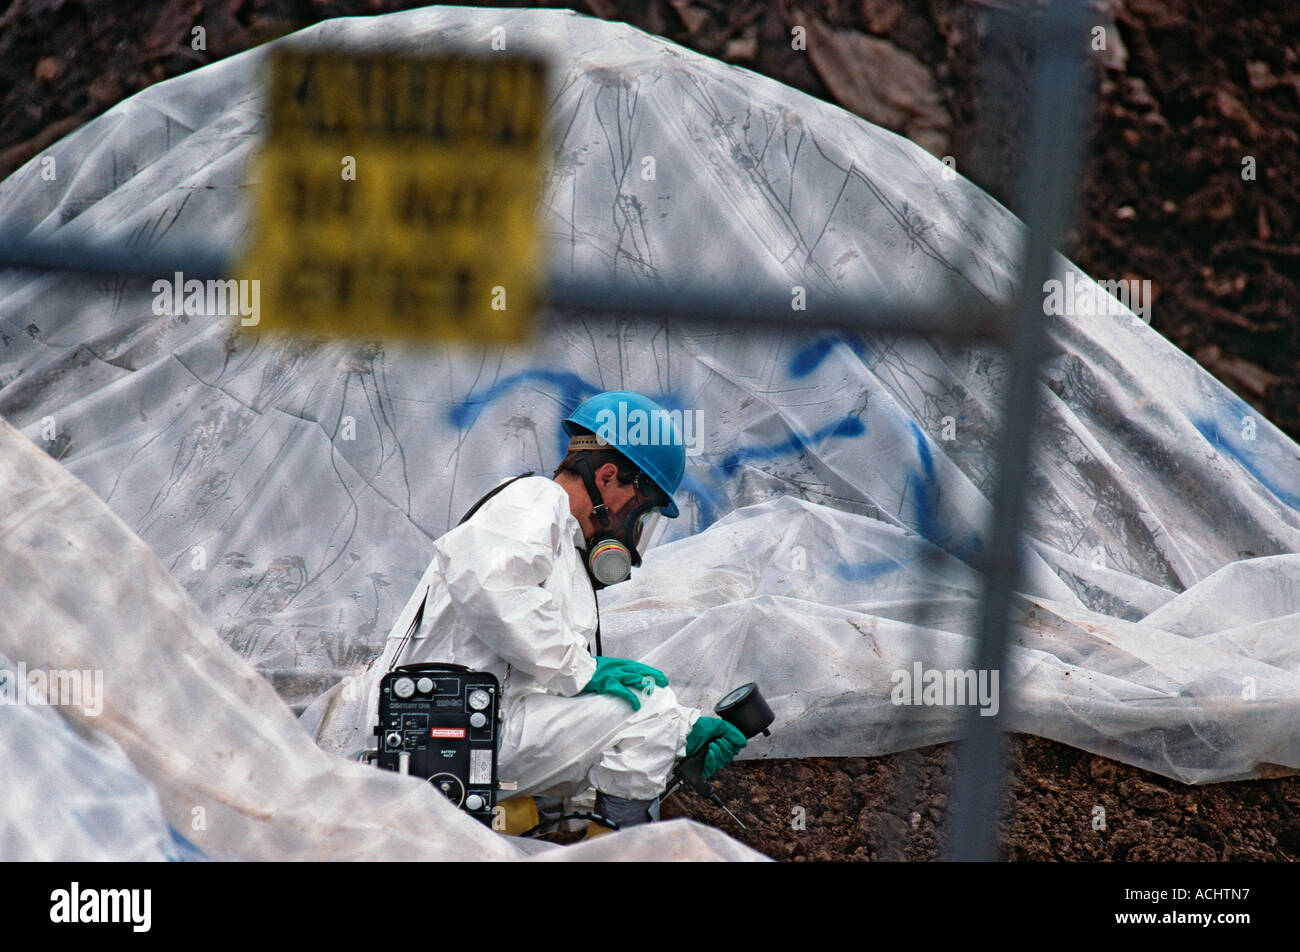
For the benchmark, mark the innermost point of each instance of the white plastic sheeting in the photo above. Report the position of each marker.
(232, 767)
(1185, 698)
(293, 488)
(70, 795)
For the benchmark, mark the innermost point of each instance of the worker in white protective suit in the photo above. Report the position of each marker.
(511, 591)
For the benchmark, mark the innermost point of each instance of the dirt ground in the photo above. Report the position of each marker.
(1062, 804)
(1193, 183)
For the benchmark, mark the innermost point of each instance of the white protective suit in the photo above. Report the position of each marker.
(508, 593)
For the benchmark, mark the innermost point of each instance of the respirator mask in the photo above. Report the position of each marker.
(615, 549)
(611, 556)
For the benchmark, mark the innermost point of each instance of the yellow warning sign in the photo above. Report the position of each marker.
(398, 196)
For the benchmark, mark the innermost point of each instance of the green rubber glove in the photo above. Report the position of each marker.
(722, 739)
(623, 678)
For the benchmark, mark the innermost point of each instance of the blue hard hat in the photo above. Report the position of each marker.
(643, 431)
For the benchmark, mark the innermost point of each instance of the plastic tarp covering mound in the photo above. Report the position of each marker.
(231, 764)
(837, 487)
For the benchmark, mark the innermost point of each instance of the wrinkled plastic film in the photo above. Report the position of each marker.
(292, 489)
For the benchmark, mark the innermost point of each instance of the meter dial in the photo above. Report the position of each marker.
(479, 699)
(403, 688)
(735, 697)
(425, 685)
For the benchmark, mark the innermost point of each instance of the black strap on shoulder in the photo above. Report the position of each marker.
(488, 495)
(419, 612)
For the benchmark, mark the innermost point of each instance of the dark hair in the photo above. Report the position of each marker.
(627, 470)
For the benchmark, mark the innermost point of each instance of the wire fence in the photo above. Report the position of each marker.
(1054, 40)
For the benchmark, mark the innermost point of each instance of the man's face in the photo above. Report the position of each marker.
(620, 498)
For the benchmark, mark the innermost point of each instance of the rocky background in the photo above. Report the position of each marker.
(1192, 181)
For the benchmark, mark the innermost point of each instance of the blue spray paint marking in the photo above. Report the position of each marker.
(1210, 430)
(710, 502)
(707, 502)
(925, 514)
(849, 426)
(867, 571)
(925, 505)
(809, 358)
(183, 851)
(573, 391)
